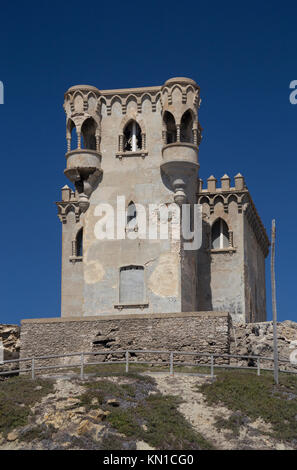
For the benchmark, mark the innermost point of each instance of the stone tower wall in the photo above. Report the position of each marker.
(90, 284)
(232, 278)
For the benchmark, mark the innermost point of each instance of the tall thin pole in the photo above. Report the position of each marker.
(275, 350)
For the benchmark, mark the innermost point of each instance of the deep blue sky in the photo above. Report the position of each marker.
(243, 56)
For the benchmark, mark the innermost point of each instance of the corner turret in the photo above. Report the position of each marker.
(82, 110)
(181, 134)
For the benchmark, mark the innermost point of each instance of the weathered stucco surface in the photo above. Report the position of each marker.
(164, 280)
(137, 176)
(232, 279)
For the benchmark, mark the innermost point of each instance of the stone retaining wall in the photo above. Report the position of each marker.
(188, 331)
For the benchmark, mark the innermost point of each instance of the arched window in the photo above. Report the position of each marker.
(131, 213)
(131, 220)
(219, 235)
(186, 127)
(169, 122)
(132, 137)
(132, 285)
(88, 131)
(79, 243)
(71, 136)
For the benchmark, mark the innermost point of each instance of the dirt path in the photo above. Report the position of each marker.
(254, 435)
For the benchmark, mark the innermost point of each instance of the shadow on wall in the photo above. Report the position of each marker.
(204, 272)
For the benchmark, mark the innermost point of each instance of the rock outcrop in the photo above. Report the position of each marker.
(10, 337)
(257, 339)
(10, 343)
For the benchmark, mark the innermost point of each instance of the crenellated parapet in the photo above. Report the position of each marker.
(126, 95)
(69, 203)
(239, 193)
(224, 193)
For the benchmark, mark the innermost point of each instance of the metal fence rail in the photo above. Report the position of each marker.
(81, 364)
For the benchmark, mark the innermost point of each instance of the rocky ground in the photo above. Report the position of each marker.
(9, 336)
(257, 339)
(10, 345)
(147, 411)
(117, 412)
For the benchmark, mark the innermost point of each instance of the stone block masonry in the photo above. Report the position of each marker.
(188, 331)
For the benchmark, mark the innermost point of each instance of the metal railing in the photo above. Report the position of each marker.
(127, 361)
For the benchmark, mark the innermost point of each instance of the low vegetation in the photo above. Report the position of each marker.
(17, 395)
(113, 410)
(251, 397)
(140, 413)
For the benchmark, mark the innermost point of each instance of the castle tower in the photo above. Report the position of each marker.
(129, 148)
(132, 156)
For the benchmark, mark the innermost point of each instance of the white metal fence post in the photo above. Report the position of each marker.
(33, 369)
(82, 366)
(127, 362)
(211, 366)
(258, 366)
(171, 363)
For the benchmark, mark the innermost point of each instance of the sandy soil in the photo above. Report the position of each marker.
(253, 435)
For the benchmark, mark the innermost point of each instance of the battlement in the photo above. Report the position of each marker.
(240, 194)
(85, 93)
(69, 203)
(68, 194)
(239, 184)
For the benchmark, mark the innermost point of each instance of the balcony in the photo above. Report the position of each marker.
(81, 163)
(180, 152)
(180, 164)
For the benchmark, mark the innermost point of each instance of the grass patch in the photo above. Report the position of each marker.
(124, 421)
(201, 369)
(157, 421)
(17, 395)
(39, 432)
(257, 397)
(166, 426)
(109, 369)
(232, 423)
(102, 390)
(115, 442)
(153, 418)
